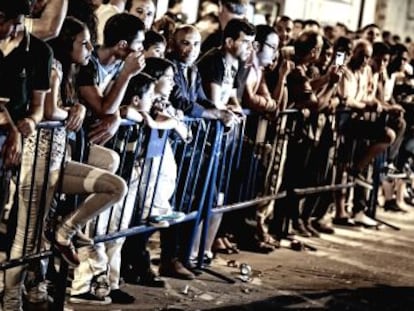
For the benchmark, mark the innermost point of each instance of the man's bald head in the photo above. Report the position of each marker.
(186, 44)
(185, 29)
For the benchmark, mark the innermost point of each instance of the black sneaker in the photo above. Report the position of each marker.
(89, 299)
(175, 269)
(392, 206)
(193, 261)
(121, 297)
(100, 285)
(151, 279)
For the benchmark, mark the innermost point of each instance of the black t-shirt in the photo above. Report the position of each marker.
(213, 69)
(26, 69)
(214, 40)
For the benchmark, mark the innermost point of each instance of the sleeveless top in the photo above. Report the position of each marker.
(45, 139)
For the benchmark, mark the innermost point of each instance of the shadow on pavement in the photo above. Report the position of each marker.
(381, 297)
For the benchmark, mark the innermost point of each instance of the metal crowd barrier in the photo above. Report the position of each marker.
(253, 166)
(194, 166)
(37, 171)
(218, 171)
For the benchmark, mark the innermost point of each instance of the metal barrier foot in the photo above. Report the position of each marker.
(298, 245)
(60, 285)
(218, 275)
(382, 222)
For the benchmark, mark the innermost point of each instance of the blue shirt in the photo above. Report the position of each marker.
(189, 96)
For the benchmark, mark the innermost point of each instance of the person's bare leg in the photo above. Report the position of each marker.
(376, 149)
(370, 154)
(400, 186)
(388, 189)
(340, 195)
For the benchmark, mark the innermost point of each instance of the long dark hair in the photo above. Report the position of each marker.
(84, 10)
(62, 47)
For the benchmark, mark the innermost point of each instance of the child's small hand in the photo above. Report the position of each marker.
(131, 113)
(184, 132)
(179, 114)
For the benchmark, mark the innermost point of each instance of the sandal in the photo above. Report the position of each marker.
(263, 247)
(220, 247)
(271, 241)
(231, 247)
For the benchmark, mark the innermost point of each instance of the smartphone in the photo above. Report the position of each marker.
(339, 58)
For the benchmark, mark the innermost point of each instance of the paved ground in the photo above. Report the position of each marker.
(356, 269)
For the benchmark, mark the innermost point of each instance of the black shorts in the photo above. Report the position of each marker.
(356, 128)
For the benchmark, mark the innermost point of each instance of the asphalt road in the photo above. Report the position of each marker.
(354, 269)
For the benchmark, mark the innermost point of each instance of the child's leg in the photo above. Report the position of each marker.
(166, 181)
(114, 247)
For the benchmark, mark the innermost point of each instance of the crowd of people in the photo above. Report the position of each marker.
(92, 63)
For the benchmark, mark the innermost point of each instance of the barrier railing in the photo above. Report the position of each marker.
(264, 151)
(34, 174)
(194, 165)
(218, 171)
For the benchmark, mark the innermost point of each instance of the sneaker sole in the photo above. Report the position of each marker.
(74, 300)
(160, 224)
(358, 223)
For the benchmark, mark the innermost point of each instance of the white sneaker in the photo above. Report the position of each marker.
(164, 221)
(90, 299)
(174, 217)
(392, 172)
(362, 219)
(158, 222)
